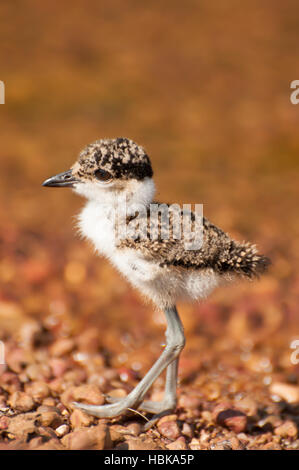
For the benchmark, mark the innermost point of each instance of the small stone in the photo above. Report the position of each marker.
(287, 392)
(59, 366)
(140, 443)
(38, 372)
(117, 393)
(97, 437)
(38, 390)
(62, 430)
(270, 446)
(4, 422)
(21, 401)
(117, 432)
(195, 444)
(80, 419)
(62, 346)
(248, 406)
(87, 393)
(189, 402)
(178, 444)
(233, 419)
(187, 430)
(49, 401)
(10, 382)
(21, 425)
(134, 429)
(49, 416)
(168, 428)
(51, 444)
(287, 429)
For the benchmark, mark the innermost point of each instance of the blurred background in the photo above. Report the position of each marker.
(205, 88)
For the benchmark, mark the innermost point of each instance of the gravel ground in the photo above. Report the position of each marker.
(231, 395)
(200, 88)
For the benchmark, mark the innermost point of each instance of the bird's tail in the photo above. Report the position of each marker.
(245, 260)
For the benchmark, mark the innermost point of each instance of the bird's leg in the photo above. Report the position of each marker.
(175, 342)
(169, 401)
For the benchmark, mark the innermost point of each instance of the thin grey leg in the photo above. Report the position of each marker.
(169, 400)
(175, 342)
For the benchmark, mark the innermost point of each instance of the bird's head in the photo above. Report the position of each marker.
(107, 168)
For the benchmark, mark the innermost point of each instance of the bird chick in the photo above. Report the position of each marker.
(111, 174)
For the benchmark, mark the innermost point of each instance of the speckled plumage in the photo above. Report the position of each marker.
(218, 250)
(122, 157)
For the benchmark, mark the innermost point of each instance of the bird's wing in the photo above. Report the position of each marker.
(216, 249)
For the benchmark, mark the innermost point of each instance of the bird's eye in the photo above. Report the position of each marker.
(102, 175)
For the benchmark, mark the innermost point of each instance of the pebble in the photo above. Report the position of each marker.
(38, 372)
(62, 346)
(21, 401)
(21, 425)
(168, 427)
(178, 444)
(4, 422)
(49, 416)
(287, 429)
(38, 390)
(62, 430)
(87, 393)
(287, 392)
(96, 437)
(233, 419)
(80, 419)
(140, 443)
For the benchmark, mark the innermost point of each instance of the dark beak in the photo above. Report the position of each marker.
(63, 180)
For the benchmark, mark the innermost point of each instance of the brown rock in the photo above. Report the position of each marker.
(287, 392)
(62, 346)
(96, 437)
(271, 446)
(140, 443)
(21, 401)
(187, 430)
(10, 382)
(49, 416)
(287, 429)
(4, 422)
(117, 432)
(89, 340)
(49, 401)
(80, 419)
(179, 444)
(189, 402)
(38, 372)
(235, 420)
(21, 425)
(58, 366)
(168, 429)
(38, 390)
(51, 444)
(134, 429)
(248, 406)
(88, 393)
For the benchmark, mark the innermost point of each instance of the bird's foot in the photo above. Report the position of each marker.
(155, 407)
(106, 411)
(119, 406)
